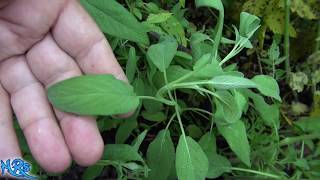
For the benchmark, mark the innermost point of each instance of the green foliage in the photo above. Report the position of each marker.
(305, 9)
(203, 107)
(115, 20)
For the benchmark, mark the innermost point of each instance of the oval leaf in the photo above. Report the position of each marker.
(218, 165)
(208, 143)
(121, 153)
(191, 162)
(236, 136)
(161, 54)
(227, 108)
(267, 86)
(93, 95)
(231, 82)
(160, 156)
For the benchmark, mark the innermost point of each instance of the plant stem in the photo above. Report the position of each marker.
(167, 86)
(256, 172)
(238, 47)
(197, 109)
(179, 120)
(287, 38)
(170, 121)
(218, 35)
(162, 100)
(291, 140)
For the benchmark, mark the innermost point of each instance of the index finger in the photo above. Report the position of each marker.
(78, 35)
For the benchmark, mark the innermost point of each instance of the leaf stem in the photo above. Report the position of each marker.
(162, 100)
(197, 109)
(168, 85)
(170, 121)
(218, 35)
(179, 120)
(238, 47)
(256, 172)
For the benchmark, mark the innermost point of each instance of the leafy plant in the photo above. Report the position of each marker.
(222, 88)
(198, 110)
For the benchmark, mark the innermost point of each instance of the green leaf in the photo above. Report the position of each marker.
(248, 23)
(158, 18)
(309, 124)
(227, 108)
(160, 156)
(255, 7)
(200, 63)
(161, 54)
(133, 166)
(218, 165)
(125, 130)
(199, 37)
(236, 136)
(208, 143)
(131, 66)
(232, 82)
(198, 46)
(241, 100)
(137, 142)
(217, 4)
(150, 105)
(275, 21)
(194, 131)
(268, 113)
(155, 117)
(121, 153)
(174, 72)
(174, 27)
(92, 172)
(93, 95)
(267, 86)
(209, 71)
(274, 52)
(303, 9)
(272, 13)
(116, 20)
(207, 68)
(191, 162)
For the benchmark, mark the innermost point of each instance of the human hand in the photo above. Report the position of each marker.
(41, 43)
